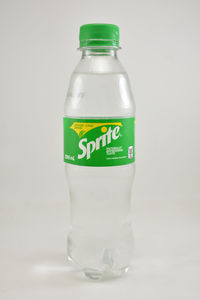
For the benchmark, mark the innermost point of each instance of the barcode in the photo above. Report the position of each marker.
(130, 152)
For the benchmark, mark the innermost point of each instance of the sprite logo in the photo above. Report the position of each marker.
(88, 148)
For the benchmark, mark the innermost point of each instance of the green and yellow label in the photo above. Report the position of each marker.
(99, 142)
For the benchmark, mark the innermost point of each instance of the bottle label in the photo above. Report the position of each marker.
(99, 142)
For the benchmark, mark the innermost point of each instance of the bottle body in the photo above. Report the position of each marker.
(100, 237)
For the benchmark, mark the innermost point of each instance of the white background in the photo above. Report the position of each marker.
(161, 46)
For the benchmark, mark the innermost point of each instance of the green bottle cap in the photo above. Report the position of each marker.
(99, 34)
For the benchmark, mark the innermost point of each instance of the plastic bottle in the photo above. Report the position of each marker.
(99, 155)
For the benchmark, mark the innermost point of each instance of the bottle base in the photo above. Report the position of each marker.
(101, 256)
(93, 274)
(101, 263)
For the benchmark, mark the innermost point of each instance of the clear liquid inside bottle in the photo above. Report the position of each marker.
(100, 240)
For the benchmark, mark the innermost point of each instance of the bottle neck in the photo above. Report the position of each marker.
(88, 52)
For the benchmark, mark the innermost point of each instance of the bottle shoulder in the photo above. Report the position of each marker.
(99, 65)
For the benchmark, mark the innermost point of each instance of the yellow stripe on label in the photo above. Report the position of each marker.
(82, 128)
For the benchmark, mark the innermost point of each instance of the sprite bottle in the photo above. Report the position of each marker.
(99, 156)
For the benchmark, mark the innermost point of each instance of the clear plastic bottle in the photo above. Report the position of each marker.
(99, 99)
